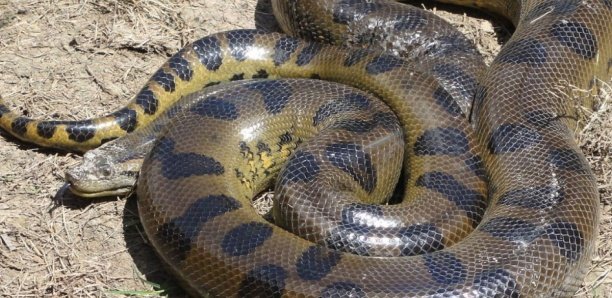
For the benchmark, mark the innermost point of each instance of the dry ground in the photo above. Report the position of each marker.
(71, 59)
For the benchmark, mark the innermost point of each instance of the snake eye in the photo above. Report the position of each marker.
(106, 170)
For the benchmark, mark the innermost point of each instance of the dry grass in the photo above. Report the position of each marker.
(72, 59)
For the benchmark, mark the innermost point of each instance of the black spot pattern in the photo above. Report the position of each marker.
(283, 49)
(476, 164)
(383, 63)
(126, 119)
(308, 53)
(275, 93)
(147, 100)
(302, 167)
(211, 84)
(181, 232)
(46, 129)
(496, 283)
(19, 125)
(442, 141)
(343, 289)
(354, 56)
(445, 100)
(181, 165)
(534, 197)
(528, 51)
(352, 159)
(576, 36)
(358, 214)
(245, 238)
(261, 74)
(568, 159)
(466, 199)
(511, 229)
(81, 131)
(351, 102)
(454, 74)
(181, 66)
(568, 239)
(512, 137)
(240, 41)
(316, 262)
(209, 52)
(216, 108)
(164, 79)
(445, 268)
(421, 238)
(264, 281)
(237, 77)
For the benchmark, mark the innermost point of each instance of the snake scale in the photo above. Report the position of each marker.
(534, 238)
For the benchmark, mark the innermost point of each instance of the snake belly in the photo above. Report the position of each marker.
(536, 236)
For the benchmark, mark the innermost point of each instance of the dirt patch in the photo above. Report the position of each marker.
(76, 59)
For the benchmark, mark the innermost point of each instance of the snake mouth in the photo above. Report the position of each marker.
(122, 191)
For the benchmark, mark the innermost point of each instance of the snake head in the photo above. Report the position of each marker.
(102, 175)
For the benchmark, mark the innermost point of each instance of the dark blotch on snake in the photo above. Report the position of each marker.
(147, 100)
(356, 125)
(496, 283)
(264, 281)
(567, 237)
(164, 79)
(445, 268)
(442, 141)
(529, 51)
(576, 36)
(302, 167)
(568, 159)
(237, 77)
(216, 108)
(420, 238)
(239, 42)
(409, 22)
(383, 63)
(512, 137)
(245, 238)
(468, 200)
(350, 102)
(285, 46)
(19, 125)
(182, 231)
(476, 165)
(453, 75)
(181, 165)
(352, 159)
(261, 74)
(316, 262)
(126, 119)
(209, 52)
(46, 129)
(445, 100)
(308, 53)
(538, 197)
(354, 56)
(181, 66)
(511, 229)
(81, 131)
(343, 289)
(275, 94)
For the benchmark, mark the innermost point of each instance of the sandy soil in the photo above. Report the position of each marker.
(72, 59)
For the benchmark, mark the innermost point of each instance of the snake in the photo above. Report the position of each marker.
(532, 226)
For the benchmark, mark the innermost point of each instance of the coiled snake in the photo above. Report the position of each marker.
(534, 239)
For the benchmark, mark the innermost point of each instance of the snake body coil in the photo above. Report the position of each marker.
(534, 239)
